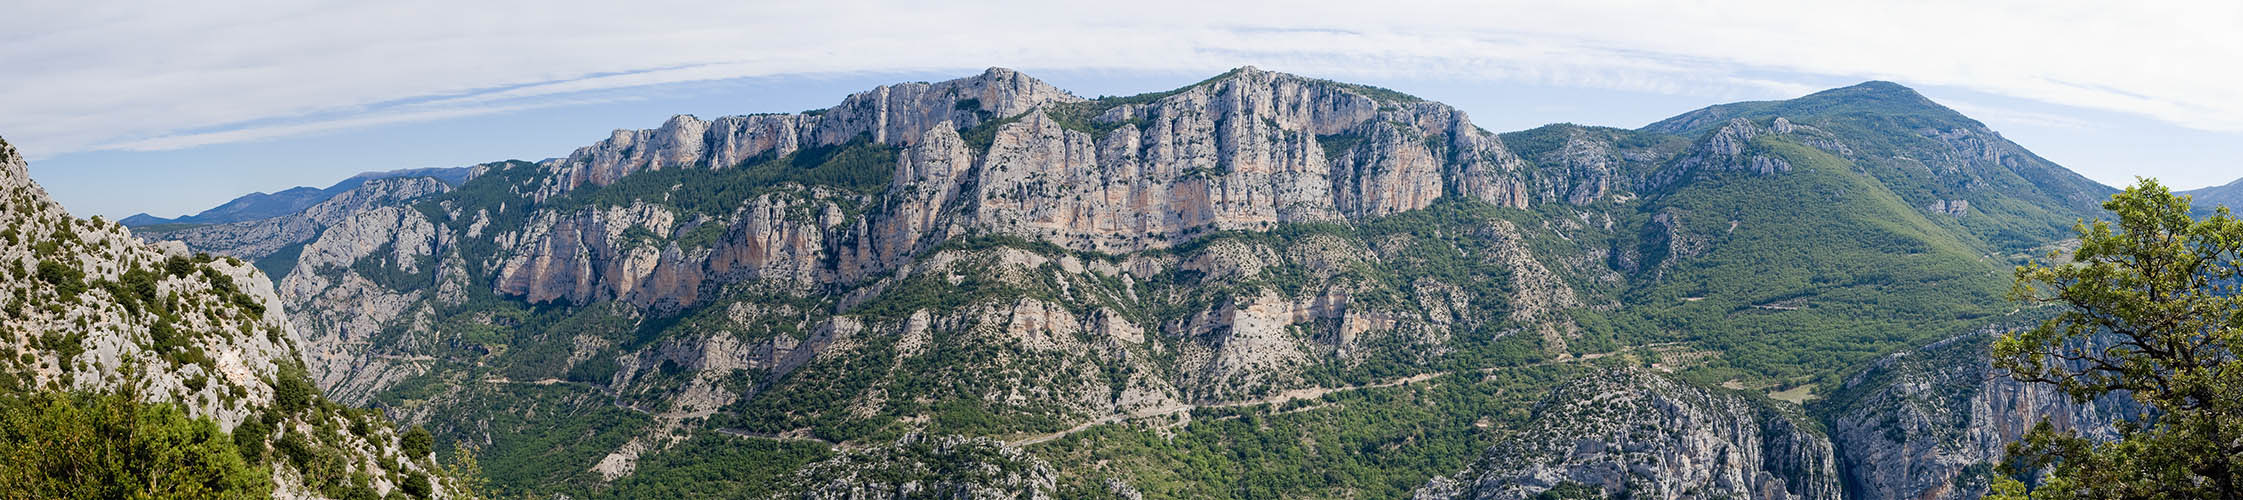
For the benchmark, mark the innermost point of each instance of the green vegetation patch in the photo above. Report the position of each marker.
(1371, 443)
(1806, 272)
(714, 465)
(59, 445)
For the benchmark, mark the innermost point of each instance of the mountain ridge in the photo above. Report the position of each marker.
(994, 257)
(2228, 195)
(259, 205)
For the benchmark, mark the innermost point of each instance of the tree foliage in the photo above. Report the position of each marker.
(56, 445)
(2149, 308)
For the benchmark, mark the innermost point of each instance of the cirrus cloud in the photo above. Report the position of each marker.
(179, 75)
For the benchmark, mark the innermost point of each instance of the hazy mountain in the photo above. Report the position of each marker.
(255, 206)
(2228, 195)
(1286, 286)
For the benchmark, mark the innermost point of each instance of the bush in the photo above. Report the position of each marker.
(293, 389)
(179, 266)
(67, 280)
(249, 437)
(417, 443)
(416, 485)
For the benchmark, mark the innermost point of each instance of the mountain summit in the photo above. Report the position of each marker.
(1872, 98)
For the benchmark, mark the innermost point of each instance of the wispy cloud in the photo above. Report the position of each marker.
(167, 75)
(2009, 115)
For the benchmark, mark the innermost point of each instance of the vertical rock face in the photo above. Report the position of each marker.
(625, 253)
(929, 178)
(1246, 151)
(1635, 434)
(1931, 423)
(1250, 150)
(895, 115)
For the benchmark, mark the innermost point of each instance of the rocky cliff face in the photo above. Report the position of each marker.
(1247, 151)
(1932, 423)
(91, 308)
(1635, 434)
(86, 331)
(894, 115)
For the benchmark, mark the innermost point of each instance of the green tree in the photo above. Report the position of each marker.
(473, 485)
(292, 389)
(417, 442)
(2149, 307)
(55, 445)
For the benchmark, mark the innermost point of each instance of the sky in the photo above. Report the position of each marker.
(174, 107)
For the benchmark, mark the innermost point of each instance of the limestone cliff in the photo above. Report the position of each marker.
(890, 114)
(1246, 151)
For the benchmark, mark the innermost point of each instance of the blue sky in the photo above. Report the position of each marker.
(210, 101)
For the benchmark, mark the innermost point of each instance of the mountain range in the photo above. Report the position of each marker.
(254, 206)
(1260, 285)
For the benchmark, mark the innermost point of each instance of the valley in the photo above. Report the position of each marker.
(1262, 285)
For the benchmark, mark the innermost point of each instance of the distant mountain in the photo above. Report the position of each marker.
(1284, 276)
(247, 207)
(2229, 195)
(1932, 157)
(272, 243)
(256, 206)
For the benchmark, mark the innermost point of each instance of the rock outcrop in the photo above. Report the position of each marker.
(894, 115)
(93, 309)
(1729, 148)
(344, 306)
(1932, 423)
(1635, 434)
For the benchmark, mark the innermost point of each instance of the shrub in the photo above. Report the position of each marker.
(417, 442)
(67, 280)
(293, 390)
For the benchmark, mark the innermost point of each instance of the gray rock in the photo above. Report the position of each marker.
(1931, 423)
(1634, 433)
